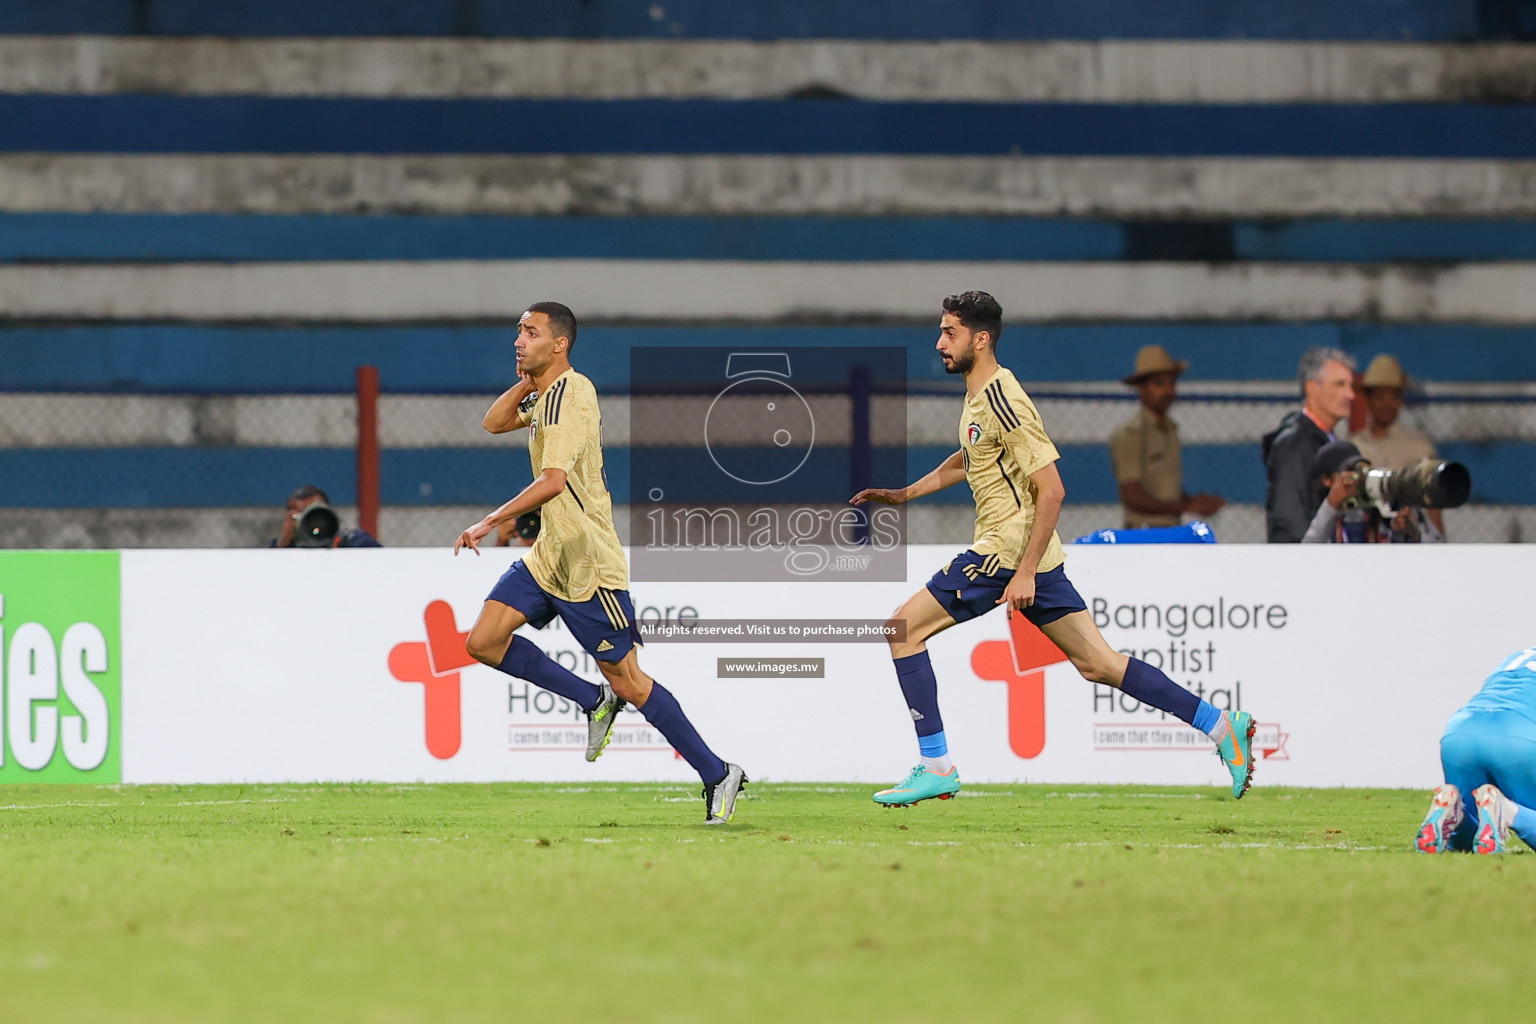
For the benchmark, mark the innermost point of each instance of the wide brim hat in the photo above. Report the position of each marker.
(1155, 359)
(1385, 372)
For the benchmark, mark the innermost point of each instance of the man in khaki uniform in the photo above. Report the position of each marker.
(1386, 442)
(1145, 450)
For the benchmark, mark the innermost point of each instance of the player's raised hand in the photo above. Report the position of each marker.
(472, 537)
(879, 495)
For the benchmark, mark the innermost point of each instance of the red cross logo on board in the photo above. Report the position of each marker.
(436, 665)
(1020, 661)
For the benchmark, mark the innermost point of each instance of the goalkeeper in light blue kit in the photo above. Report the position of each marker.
(1488, 753)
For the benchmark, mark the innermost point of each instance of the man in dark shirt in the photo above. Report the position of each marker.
(301, 499)
(1327, 390)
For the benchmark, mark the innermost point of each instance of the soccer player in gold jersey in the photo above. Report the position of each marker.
(576, 568)
(1015, 560)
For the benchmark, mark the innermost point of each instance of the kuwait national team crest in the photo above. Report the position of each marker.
(973, 433)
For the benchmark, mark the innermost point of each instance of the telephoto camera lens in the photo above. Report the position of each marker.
(1429, 483)
(317, 527)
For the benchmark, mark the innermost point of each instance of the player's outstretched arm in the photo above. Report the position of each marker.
(948, 473)
(549, 483)
(504, 413)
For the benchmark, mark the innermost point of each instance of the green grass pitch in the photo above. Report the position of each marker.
(604, 902)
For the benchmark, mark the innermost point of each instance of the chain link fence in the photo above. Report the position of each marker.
(155, 470)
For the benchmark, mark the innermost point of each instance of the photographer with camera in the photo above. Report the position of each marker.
(1364, 505)
(310, 522)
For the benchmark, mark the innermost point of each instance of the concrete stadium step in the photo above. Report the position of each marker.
(517, 185)
(681, 291)
(1099, 71)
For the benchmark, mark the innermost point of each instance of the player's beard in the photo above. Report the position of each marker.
(961, 363)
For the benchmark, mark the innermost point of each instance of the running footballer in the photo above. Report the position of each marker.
(576, 568)
(1015, 560)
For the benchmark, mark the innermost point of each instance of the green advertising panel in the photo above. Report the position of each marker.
(60, 666)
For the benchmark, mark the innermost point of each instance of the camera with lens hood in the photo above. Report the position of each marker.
(1428, 483)
(316, 526)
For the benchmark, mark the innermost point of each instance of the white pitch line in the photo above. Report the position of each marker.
(146, 803)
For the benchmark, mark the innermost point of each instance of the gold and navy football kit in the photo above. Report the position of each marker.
(577, 551)
(1003, 443)
(576, 568)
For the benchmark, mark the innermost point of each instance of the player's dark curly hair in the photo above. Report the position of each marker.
(561, 320)
(978, 311)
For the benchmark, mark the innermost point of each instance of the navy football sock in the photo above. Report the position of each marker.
(525, 661)
(921, 689)
(1151, 686)
(662, 710)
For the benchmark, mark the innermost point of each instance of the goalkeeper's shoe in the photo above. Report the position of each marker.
(1444, 816)
(1236, 750)
(922, 783)
(720, 797)
(1495, 812)
(600, 721)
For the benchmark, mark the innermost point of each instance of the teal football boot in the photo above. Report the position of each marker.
(922, 783)
(1495, 811)
(1236, 750)
(1443, 818)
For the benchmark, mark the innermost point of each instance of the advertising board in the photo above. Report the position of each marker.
(60, 666)
(270, 666)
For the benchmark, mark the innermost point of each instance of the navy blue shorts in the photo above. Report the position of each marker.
(604, 624)
(971, 584)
